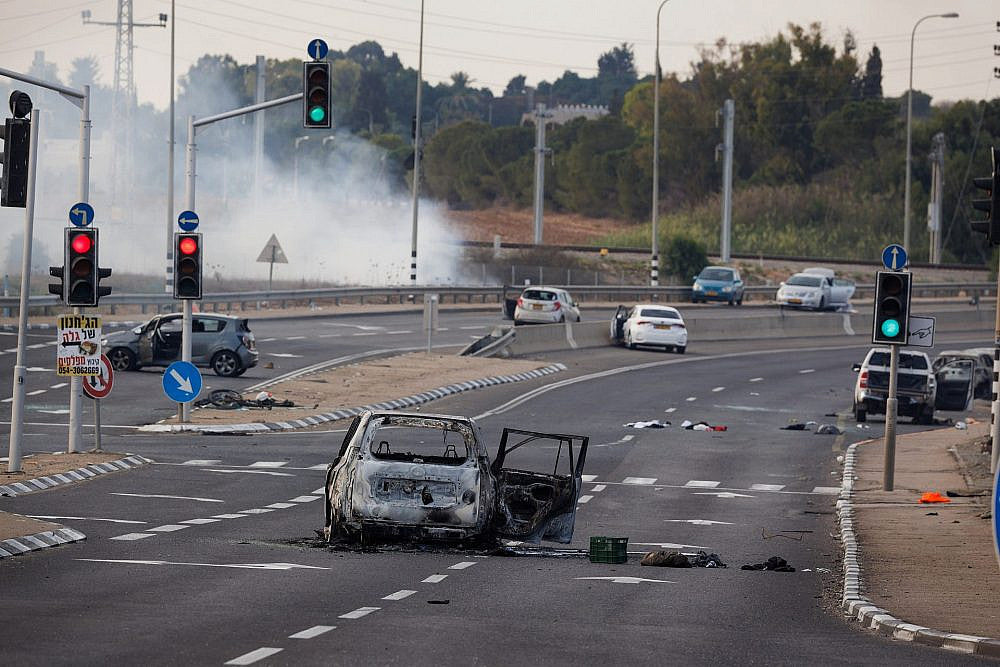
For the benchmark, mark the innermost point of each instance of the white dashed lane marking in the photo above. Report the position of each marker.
(294, 337)
(169, 528)
(359, 612)
(669, 410)
(280, 506)
(598, 488)
(585, 499)
(130, 537)
(254, 656)
(644, 481)
(691, 398)
(702, 484)
(59, 385)
(828, 490)
(303, 499)
(268, 464)
(716, 390)
(756, 379)
(807, 370)
(434, 579)
(202, 462)
(314, 631)
(398, 332)
(228, 516)
(588, 478)
(155, 495)
(266, 340)
(36, 392)
(766, 487)
(198, 522)
(463, 565)
(399, 595)
(258, 510)
(252, 472)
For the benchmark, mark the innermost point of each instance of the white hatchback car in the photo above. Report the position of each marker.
(812, 289)
(650, 324)
(545, 305)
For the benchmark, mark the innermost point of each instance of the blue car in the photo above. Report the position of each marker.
(718, 283)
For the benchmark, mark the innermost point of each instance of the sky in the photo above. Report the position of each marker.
(494, 41)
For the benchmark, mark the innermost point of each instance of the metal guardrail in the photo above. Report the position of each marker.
(458, 294)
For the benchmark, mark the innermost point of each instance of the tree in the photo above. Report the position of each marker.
(515, 86)
(871, 80)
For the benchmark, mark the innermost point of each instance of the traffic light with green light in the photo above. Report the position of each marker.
(892, 308)
(316, 94)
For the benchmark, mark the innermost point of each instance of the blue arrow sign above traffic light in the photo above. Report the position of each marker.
(81, 214)
(188, 221)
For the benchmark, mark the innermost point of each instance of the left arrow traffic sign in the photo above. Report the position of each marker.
(182, 382)
(81, 214)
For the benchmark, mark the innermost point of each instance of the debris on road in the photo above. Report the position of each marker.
(828, 429)
(961, 426)
(662, 558)
(689, 425)
(795, 426)
(772, 564)
(934, 497)
(228, 399)
(655, 423)
(439, 602)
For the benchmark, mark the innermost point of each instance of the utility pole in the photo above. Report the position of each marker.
(258, 130)
(540, 153)
(123, 103)
(936, 158)
(728, 113)
(417, 123)
(168, 284)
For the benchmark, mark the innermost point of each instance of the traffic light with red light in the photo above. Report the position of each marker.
(80, 277)
(990, 204)
(316, 112)
(892, 308)
(187, 266)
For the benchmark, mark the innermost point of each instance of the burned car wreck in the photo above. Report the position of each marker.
(429, 477)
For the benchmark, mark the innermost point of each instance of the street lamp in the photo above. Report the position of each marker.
(654, 262)
(295, 171)
(909, 121)
(416, 151)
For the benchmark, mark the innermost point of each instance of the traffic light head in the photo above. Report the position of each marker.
(990, 203)
(316, 94)
(187, 266)
(80, 267)
(892, 308)
(16, 136)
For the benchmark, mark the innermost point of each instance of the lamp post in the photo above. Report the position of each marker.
(909, 121)
(416, 151)
(295, 171)
(654, 261)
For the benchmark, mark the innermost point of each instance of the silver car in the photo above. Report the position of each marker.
(222, 342)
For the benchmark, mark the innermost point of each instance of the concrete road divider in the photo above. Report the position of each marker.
(529, 339)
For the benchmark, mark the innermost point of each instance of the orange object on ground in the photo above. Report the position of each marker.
(934, 497)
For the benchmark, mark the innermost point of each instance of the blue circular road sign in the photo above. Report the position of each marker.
(188, 221)
(182, 382)
(81, 214)
(894, 257)
(317, 49)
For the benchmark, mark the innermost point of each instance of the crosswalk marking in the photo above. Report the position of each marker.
(701, 484)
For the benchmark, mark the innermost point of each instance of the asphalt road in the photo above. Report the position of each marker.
(201, 578)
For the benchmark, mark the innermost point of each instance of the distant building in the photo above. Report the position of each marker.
(564, 113)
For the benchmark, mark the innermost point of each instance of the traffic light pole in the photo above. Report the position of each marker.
(190, 173)
(81, 98)
(17, 407)
(995, 416)
(889, 462)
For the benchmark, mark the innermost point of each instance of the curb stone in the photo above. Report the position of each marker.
(873, 617)
(395, 404)
(16, 546)
(78, 475)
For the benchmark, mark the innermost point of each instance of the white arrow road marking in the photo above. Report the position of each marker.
(253, 472)
(183, 383)
(627, 580)
(81, 518)
(724, 494)
(699, 522)
(668, 545)
(284, 355)
(239, 566)
(155, 495)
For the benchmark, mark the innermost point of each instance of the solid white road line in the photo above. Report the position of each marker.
(399, 595)
(644, 481)
(254, 655)
(156, 495)
(314, 631)
(252, 472)
(359, 612)
(434, 579)
(130, 537)
(463, 565)
(81, 518)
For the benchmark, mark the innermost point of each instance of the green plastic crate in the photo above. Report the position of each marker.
(608, 549)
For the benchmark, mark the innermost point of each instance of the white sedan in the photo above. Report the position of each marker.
(811, 290)
(650, 324)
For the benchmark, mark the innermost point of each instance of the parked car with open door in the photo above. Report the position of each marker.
(650, 325)
(429, 477)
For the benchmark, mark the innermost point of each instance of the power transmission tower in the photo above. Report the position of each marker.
(123, 103)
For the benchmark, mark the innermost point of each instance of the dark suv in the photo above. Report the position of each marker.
(222, 342)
